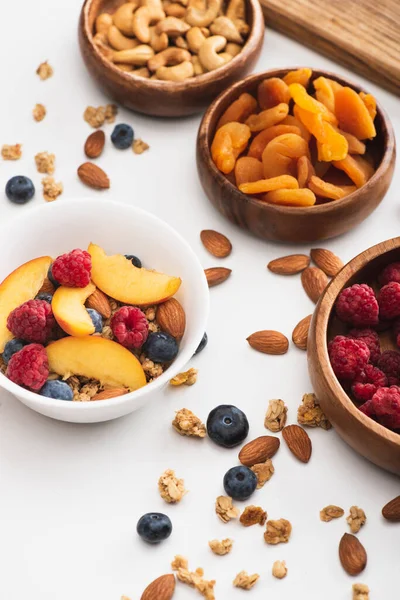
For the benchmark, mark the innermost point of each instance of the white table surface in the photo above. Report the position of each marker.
(70, 496)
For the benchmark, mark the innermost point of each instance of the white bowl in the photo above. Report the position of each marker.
(67, 224)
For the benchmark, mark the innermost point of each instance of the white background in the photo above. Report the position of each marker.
(70, 496)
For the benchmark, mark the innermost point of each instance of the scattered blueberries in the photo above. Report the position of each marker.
(203, 344)
(97, 319)
(240, 482)
(154, 527)
(57, 389)
(46, 297)
(134, 260)
(227, 426)
(161, 347)
(122, 136)
(50, 276)
(20, 189)
(12, 347)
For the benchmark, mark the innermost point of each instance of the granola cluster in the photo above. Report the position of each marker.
(311, 414)
(245, 581)
(187, 378)
(11, 151)
(253, 515)
(51, 189)
(225, 509)
(44, 70)
(45, 162)
(276, 415)
(278, 532)
(263, 472)
(170, 487)
(356, 519)
(193, 578)
(279, 569)
(83, 388)
(186, 423)
(331, 512)
(39, 112)
(96, 117)
(139, 146)
(221, 547)
(360, 591)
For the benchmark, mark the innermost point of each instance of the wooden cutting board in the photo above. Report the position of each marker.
(363, 35)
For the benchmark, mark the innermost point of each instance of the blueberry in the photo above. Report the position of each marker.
(46, 297)
(122, 136)
(227, 426)
(135, 260)
(154, 527)
(161, 347)
(240, 482)
(203, 344)
(20, 189)
(12, 347)
(57, 389)
(97, 319)
(50, 276)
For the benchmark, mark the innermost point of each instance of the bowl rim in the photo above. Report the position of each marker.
(322, 315)
(257, 30)
(183, 356)
(384, 165)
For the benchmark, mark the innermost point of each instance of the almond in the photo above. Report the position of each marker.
(216, 243)
(94, 144)
(216, 275)
(391, 510)
(91, 175)
(171, 318)
(314, 282)
(300, 333)
(259, 450)
(298, 442)
(161, 588)
(269, 342)
(289, 265)
(327, 261)
(47, 287)
(352, 554)
(110, 393)
(99, 301)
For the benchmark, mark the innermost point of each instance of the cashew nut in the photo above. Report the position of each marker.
(195, 38)
(242, 27)
(205, 31)
(126, 68)
(224, 26)
(180, 42)
(136, 56)
(141, 23)
(143, 72)
(100, 41)
(156, 9)
(197, 66)
(208, 53)
(225, 56)
(169, 57)
(198, 4)
(119, 41)
(158, 42)
(233, 49)
(103, 23)
(176, 73)
(123, 17)
(175, 10)
(236, 10)
(201, 18)
(172, 27)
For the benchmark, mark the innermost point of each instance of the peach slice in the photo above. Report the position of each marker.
(117, 277)
(21, 285)
(69, 310)
(96, 358)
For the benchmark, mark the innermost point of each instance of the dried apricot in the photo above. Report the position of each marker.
(229, 142)
(271, 92)
(291, 120)
(328, 190)
(267, 185)
(278, 155)
(357, 168)
(264, 137)
(353, 115)
(370, 103)
(239, 110)
(321, 168)
(324, 93)
(330, 143)
(355, 145)
(305, 171)
(268, 118)
(307, 102)
(248, 169)
(301, 76)
(335, 85)
(301, 197)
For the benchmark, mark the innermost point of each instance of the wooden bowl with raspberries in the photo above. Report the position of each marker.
(354, 354)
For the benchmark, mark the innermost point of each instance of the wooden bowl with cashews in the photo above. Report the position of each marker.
(306, 172)
(169, 58)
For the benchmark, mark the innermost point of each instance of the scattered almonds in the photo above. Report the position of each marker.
(352, 554)
(289, 265)
(139, 146)
(276, 415)
(279, 569)
(327, 261)
(216, 243)
(39, 112)
(216, 275)
(259, 450)
(44, 70)
(311, 414)
(96, 117)
(194, 579)
(300, 333)
(92, 176)
(269, 342)
(360, 591)
(391, 510)
(331, 512)
(171, 318)
(221, 547)
(278, 532)
(94, 144)
(314, 282)
(186, 423)
(253, 515)
(51, 189)
(263, 472)
(298, 442)
(170, 487)
(11, 152)
(161, 588)
(245, 581)
(187, 378)
(225, 509)
(356, 519)
(45, 162)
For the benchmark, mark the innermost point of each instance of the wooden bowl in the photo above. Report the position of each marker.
(161, 98)
(285, 223)
(368, 438)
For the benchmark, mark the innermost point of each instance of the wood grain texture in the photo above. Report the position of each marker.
(363, 35)
(378, 444)
(284, 223)
(158, 98)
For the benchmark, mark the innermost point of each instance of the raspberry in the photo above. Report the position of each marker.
(367, 382)
(390, 273)
(29, 367)
(396, 331)
(358, 306)
(129, 325)
(33, 321)
(389, 363)
(371, 338)
(348, 357)
(386, 405)
(73, 269)
(367, 409)
(389, 300)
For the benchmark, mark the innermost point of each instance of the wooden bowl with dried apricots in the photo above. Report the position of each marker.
(295, 155)
(169, 58)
